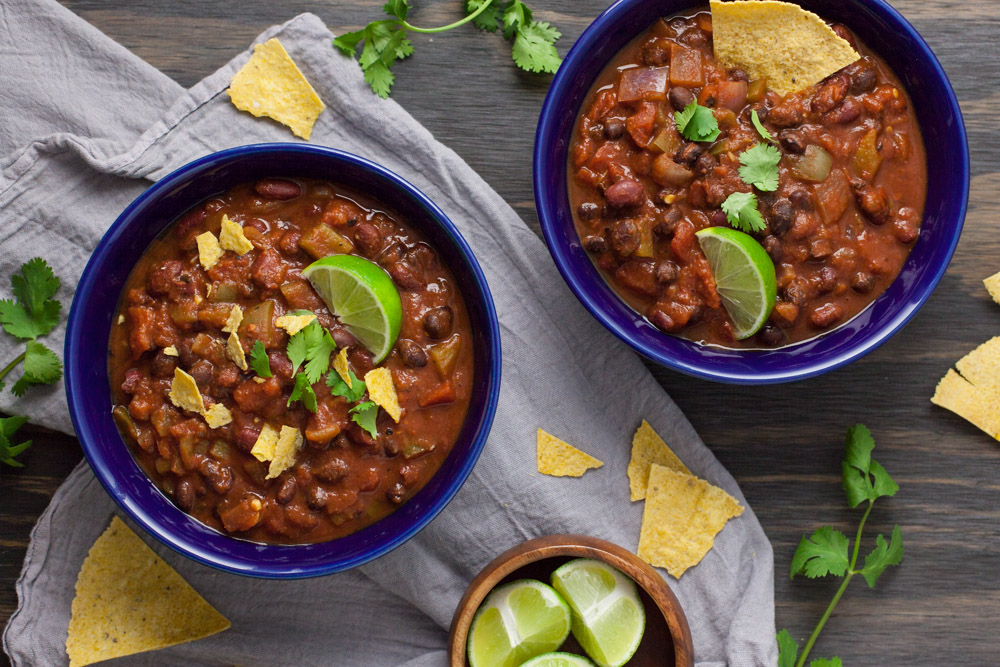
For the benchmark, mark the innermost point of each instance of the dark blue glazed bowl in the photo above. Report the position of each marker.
(879, 26)
(90, 320)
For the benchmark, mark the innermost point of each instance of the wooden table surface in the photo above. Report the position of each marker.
(783, 443)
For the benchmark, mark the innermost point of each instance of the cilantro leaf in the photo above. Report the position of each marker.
(297, 350)
(339, 388)
(534, 47)
(822, 553)
(385, 42)
(17, 321)
(755, 119)
(348, 42)
(883, 556)
(824, 662)
(760, 167)
(259, 361)
(41, 366)
(35, 285)
(489, 18)
(320, 349)
(364, 414)
(858, 470)
(697, 123)
(741, 211)
(397, 8)
(788, 649)
(8, 426)
(516, 15)
(303, 391)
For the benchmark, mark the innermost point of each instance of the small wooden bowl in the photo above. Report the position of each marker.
(667, 640)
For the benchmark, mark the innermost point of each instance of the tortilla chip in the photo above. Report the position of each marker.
(789, 46)
(288, 445)
(171, 351)
(648, 448)
(267, 441)
(234, 350)
(128, 600)
(975, 394)
(184, 393)
(340, 365)
(121, 319)
(993, 286)
(271, 85)
(231, 237)
(560, 459)
(682, 517)
(209, 250)
(382, 391)
(234, 320)
(218, 415)
(294, 323)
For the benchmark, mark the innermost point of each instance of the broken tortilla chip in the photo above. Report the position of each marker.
(790, 47)
(382, 391)
(234, 320)
(561, 459)
(683, 515)
(271, 85)
(649, 448)
(993, 286)
(340, 365)
(209, 250)
(294, 323)
(128, 601)
(234, 350)
(288, 445)
(218, 415)
(171, 351)
(267, 441)
(184, 393)
(973, 393)
(231, 237)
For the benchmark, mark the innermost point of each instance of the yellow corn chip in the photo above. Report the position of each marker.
(259, 380)
(234, 320)
(648, 448)
(975, 394)
(289, 443)
(218, 415)
(340, 365)
(170, 351)
(382, 391)
(993, 286)
(267, 441)
(184, 393)
(128, 600)
(231, 237)
(294, 323)
(234, 350)
(121, 319)
(209, 250)
(682, 517)
(791, 47)
(271, 85)
(561, 459)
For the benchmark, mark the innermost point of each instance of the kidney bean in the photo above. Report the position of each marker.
(787, 114)
(661, 320)
(796, 292)
(626, 193)
(246, 437)
(439, 322)
(793, 141)
(826, 280)
(656, 53)
(288, 244)
(780, 216)
(316, 496)
(368, 239)
(412, 354)
(406, 275)
(831, 93)
(738, 74)
(268, 269)
(874, 203)
(847, 112)
(718, 218)
(184, 495)
(773, 247)
(614, 128)
(277, 188)
(218, 475)
(820, 248)
(680, 97)
(342, 337)
(281, 365)
(906, 226)
(191, 220)
(625, 237)
(162, 367)
(286, 492)
(330, 468)
(864, 79)
(396, 493)
(667, 272)
(588, 210)
(826, 315)
(164, 277)
(203, 372)
(862, 282)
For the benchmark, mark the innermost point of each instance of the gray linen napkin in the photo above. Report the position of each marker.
(93, 124)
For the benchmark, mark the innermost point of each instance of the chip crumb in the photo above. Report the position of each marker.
(649, 448)
(128, 601)
(259, 380)
(973, 393)
(561, 459)
(218, 416)
(683, 514)
(234, 350)
(234, 320)
(382, 391)
(209, 250)
(263, 449)
(171, 351)
(231, 237)
(288, 445)
(271, 84)
(294, 323)
(993, 286)
(341, 366)
(184, 393)
(121, 319)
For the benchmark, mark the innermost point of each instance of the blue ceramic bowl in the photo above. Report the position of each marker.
(878, 25)
(89, 394)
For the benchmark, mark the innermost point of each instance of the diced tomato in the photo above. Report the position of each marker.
(443, 393)
(640, 124)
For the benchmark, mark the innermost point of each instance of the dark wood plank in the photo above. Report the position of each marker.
(782, 443)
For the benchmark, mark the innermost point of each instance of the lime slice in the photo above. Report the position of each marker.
(558, 660)
(363, 296)
(608, 618)
(744, 276)
(517, 622)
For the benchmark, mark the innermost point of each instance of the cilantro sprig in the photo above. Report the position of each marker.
(755, 119)
(8, 450)
(759, 167)
(259, 361)
(308, 350)
(697, 123)
(31, 314)
(741, 211)
(364, 414)
(385, 42)
(828, 551)
(339, 388)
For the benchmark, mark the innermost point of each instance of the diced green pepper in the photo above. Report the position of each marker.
(445, 355)
(323, 240)
(813, 165)
(867, 158)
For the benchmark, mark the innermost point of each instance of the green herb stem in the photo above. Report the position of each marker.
(12, 365)
(857, 538)
(468, 18)
(822, 621)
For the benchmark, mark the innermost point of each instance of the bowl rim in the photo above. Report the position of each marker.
(75, 384)
(577, 546)
(547, 203)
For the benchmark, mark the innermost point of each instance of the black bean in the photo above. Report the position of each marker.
(689, 153)
(438, 322)
(874, 203)
(412, 354)
(705, 163)
(614, 128)
(184, 494)
(771, 335)
(588, 210)
(793, 142)
(801, 198)
(737, 74)
(863, 81)
(780, 216)
(595, 243)
(862, 282)
(680, 97)
(625, 237)
(218, 475)
(826, 280)
(396, 493)
(316, 497)
(667, 272)
(795, 292)
(773, 247)
(330, 468)
(667, 224)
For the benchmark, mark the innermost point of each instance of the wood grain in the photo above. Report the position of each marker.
(782, 443)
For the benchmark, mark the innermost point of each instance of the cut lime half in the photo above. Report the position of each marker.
(516, 622)
(363, 296)
(744, 276)
(559, 660)
(608, 617)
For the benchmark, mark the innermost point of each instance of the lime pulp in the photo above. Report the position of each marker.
(558, 660)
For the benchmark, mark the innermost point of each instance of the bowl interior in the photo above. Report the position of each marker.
(87, 349)
(878, 25)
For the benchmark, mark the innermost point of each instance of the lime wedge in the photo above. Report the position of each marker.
(363, 296)
(608, 618)
(517, 622)
(744, 276)
(558, 660)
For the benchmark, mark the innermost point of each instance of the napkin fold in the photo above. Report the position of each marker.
(89, 125)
